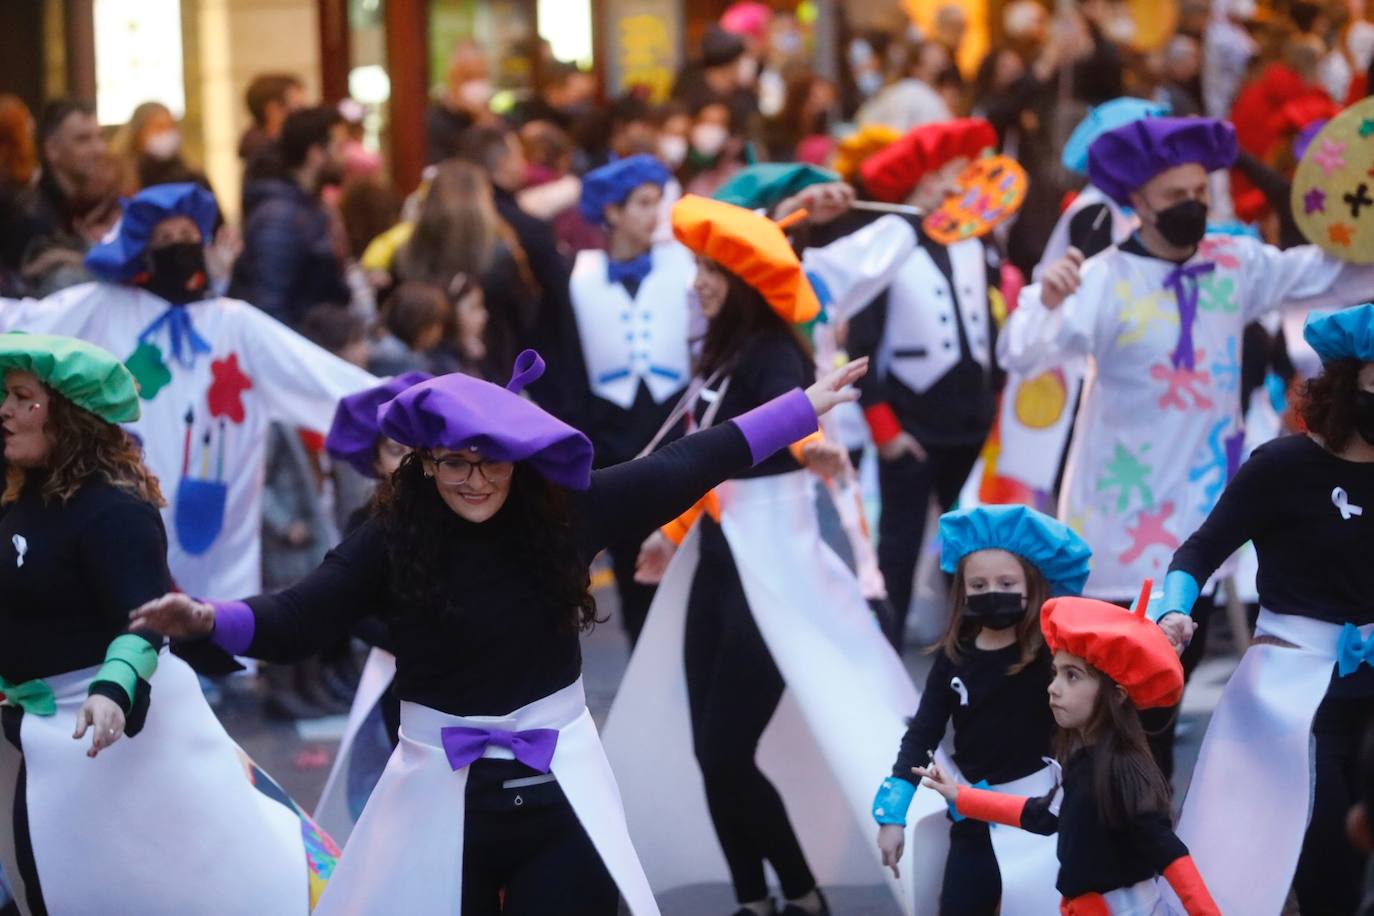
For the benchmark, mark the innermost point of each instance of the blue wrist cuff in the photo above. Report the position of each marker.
(1180, 594)
(893, 798)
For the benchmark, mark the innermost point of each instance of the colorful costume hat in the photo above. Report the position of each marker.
(119, 258)
(751, 246)
(891, 173)
(1105, 117)
(354, 433)
(764, 185)
(1122, 160)
(461, 412)
(748, 18)
(1333, 191)
(88, 376)
(615, 181)
(1347, 334)
(1050, 546)
(1124, 645)
(855, 149)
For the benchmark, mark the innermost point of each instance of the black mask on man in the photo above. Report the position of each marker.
(1184, 224)
(177, 272)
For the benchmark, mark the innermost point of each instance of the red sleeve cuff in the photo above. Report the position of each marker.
(1184, 878)
(882, 423)
(985, 805)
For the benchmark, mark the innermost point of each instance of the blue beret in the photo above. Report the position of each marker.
(119, 257)
(1105, 117)
(1347, 334)
(1048, 545)
(613, 183)
(1122, 160)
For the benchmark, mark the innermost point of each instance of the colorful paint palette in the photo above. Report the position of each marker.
(1333, 190)
(993, 190)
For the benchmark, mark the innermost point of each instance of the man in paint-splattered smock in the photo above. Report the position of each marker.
(212, 373)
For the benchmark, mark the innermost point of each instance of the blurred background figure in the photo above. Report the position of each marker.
(270, 98)
(149, 150)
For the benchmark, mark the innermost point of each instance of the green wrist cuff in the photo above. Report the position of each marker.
(128, 660)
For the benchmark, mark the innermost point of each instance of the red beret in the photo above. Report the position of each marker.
(891, 173)
(1124, 645)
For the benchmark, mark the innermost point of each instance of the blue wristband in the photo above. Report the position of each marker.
(1180, 594)
(893, 798)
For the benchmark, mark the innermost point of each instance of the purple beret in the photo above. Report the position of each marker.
(461, 412)
(1122, 160)
(615, 181)
(354, 433)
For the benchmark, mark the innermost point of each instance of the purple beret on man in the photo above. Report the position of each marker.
(461, 412)
(1121, 161)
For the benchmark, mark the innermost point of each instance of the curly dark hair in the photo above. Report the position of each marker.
(1326, 403)
(425, 538)
(85, 449)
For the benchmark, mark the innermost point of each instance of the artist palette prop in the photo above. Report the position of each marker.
(994, 188)
(1333, 190)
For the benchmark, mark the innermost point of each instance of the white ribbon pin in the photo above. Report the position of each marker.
(21, 547)
(958, 687)
(1341, 500)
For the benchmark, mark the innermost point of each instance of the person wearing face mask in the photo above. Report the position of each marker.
(149, 150)
(213, 374)
(989, 679)
(1162, 317)
(932, 402)
(1307, 503)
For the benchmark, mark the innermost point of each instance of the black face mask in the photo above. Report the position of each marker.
(1184, 224)
(1363, 415)
(177, 272)
(995, 610)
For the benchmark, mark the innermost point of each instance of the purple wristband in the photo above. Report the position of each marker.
(777, 424)
(234, 625)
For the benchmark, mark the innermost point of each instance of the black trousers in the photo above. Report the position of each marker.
(972, 883)
(1161, 725)
(634, 597)
(905, 486)
(530, 857)
(1329, 877)
(733, 688)
(11, 718)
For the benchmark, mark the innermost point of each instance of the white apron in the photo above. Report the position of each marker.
(1251, 796)
(830, 741)
(358, 765)
(167, 822)
(406, 853)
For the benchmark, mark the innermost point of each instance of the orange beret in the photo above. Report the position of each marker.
(855, 149)
(750, 246)
(1124, 645)
(891, 173)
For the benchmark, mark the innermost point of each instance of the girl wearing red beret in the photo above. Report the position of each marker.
(1112, 807)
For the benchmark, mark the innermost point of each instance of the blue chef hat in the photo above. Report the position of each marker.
(1347, 334)
(1123, 160)
(1105, 117)
(119, 257)
(613, 183)
(1048, 545)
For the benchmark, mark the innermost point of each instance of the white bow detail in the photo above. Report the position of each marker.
(1341, 500)
(21, 547)
(958, 687)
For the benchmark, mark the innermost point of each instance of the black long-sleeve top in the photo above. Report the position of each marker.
(70, 574)
(768, 364)
(498, 651)
(1095, 858)
(1002, 730)
(1313, 561)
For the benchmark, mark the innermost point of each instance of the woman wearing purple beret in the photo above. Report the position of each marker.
(499, 797)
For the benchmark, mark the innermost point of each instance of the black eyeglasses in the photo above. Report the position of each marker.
(453, 471)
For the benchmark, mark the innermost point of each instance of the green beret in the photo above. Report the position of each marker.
(767, 184)
(88, 376)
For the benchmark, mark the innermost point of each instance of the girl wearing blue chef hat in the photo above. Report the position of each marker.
(1307, 503)
(990, 675)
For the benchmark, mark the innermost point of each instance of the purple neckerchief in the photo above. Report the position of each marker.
(234, 626)
(1183, 281)
(533, 748)
(776, 424)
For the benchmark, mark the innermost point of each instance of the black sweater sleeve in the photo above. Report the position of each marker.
(1152, 839)
(638, 496)
(1240, 515)
(124, 558)
(297, 622)
(927, 727)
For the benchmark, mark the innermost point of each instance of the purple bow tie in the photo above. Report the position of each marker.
(533, 748)
(1183, 281)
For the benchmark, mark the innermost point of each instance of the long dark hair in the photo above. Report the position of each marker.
(425, 540)
(1126, 780)
(744, 314)
(1327, 402)
(961, 631)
